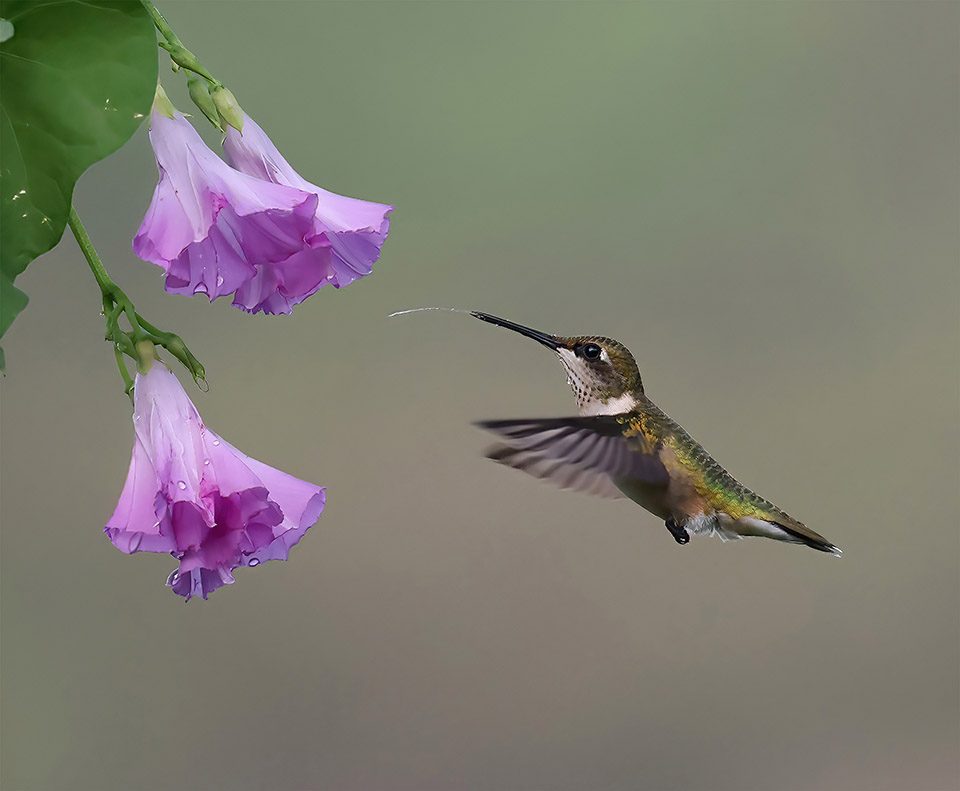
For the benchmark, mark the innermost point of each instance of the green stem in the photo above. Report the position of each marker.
(124, 373)
(116, 303)
(161, 23)
(110, 290)
(172, 44)
(89, 251)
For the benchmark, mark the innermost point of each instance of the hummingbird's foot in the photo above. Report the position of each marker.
(679, 533)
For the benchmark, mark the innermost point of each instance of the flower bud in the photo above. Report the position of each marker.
(228, 107)
(199, 90)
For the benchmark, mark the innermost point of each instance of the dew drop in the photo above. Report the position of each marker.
(253, 562)
(206, 462)
(219, 280)
(216, 442)
(182, 484)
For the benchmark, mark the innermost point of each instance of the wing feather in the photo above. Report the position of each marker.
(581, 453)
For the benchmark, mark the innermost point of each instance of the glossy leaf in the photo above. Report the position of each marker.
(78, 79)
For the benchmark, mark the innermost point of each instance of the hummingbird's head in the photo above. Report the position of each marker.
(601, 371)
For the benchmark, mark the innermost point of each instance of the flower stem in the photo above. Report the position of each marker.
(116, 304)
(172, 44)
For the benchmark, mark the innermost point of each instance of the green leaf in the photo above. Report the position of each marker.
(78, 79)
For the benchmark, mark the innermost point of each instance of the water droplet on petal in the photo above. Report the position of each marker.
(253, 562)
(174, 576)
(219, 280)
(206, 462)
(216, 442)
(157, 523)
(182, 485)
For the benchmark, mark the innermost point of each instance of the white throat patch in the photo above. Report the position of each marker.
(614, 406)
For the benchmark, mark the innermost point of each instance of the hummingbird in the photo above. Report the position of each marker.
(623, 445)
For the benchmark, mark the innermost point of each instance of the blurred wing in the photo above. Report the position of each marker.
(582, 453)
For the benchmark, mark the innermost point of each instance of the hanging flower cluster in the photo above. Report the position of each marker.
(242, 224)
(251, 226)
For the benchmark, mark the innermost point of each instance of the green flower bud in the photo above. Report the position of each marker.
(199, 90)
(228, 107)
(181, 56)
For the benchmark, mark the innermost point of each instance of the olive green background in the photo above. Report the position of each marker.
(760, 199)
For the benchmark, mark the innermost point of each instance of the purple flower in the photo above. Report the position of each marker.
(347, 233)
(192, 494)
(215, 230)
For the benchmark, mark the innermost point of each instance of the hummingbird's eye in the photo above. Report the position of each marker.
(591, 351)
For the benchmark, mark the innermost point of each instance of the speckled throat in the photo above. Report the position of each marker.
(596, 395)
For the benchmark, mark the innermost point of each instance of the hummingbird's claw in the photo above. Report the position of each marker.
(679, 533)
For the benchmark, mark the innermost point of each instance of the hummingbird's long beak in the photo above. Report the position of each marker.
(547, 340)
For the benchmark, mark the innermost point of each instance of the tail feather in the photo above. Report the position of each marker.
(810, 538)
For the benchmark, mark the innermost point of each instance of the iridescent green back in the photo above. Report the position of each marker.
(723, 491)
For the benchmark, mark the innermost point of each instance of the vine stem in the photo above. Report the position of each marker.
(172, 43)
(117, 303)
(110, 290)
(161, 24)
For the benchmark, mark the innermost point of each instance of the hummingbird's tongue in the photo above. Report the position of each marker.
(549, 341)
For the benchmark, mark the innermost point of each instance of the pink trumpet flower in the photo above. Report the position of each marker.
(343, 244)
(213, 229)
(192, 494)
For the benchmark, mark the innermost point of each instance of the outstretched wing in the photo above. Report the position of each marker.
(581, 453)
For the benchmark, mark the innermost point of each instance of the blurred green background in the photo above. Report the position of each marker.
(760, 200)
